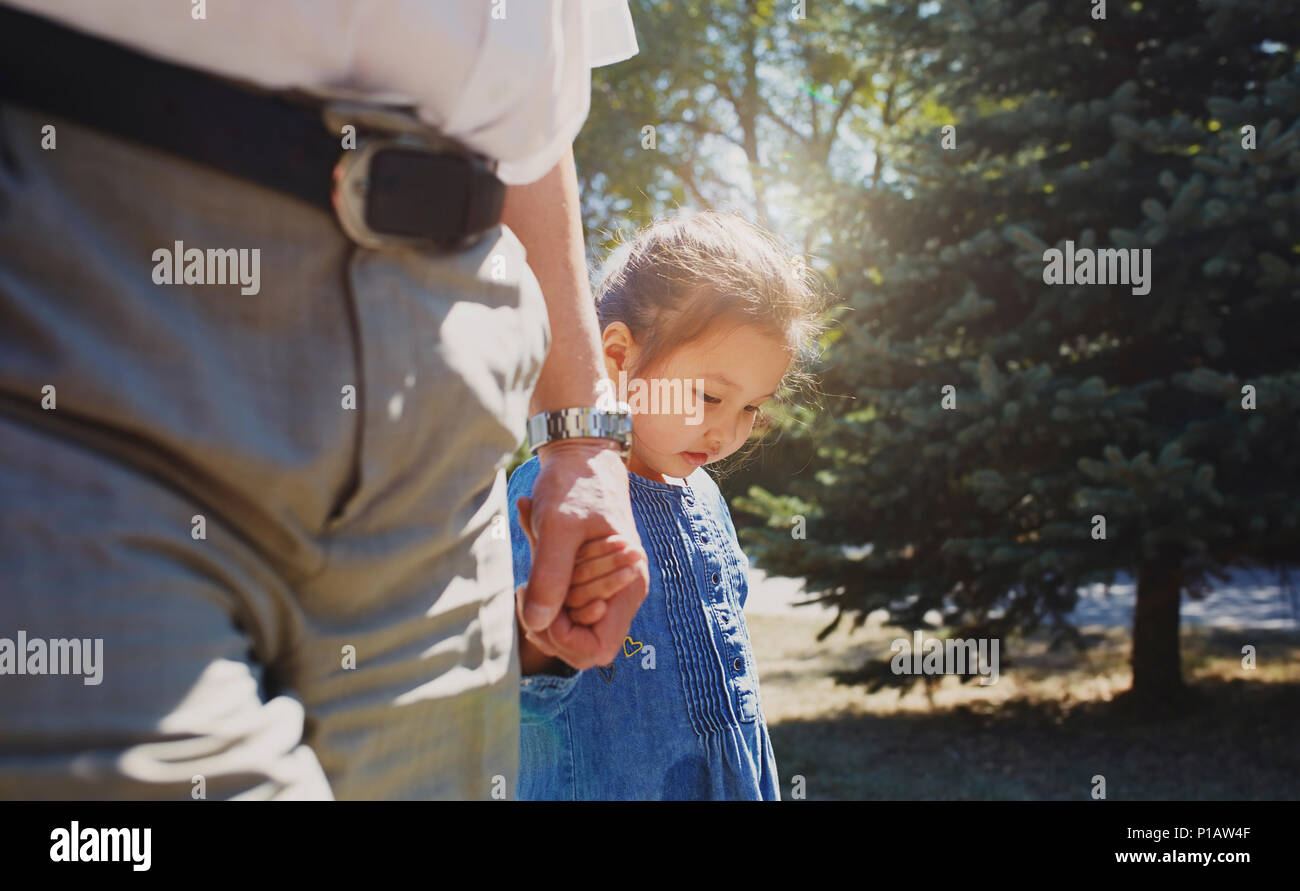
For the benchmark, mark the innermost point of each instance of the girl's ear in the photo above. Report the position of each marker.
(619, 348)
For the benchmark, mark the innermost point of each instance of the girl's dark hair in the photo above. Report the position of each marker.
(682, 273)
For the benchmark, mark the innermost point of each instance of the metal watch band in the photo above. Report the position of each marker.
(568, 423)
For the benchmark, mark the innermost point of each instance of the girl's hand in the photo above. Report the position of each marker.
(602, 567)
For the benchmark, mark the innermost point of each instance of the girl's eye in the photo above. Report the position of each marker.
(714, 400)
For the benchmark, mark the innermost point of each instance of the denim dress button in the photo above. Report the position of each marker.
(738, 664)
(704, 537)
(715, 578)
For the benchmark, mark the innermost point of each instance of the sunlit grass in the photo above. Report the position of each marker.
(1042, 731)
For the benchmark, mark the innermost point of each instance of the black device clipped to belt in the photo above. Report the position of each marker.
(401, 184)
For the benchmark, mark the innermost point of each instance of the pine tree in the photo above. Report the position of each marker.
(1002, 440)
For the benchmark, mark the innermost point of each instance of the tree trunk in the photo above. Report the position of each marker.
(1156, 661)
(747, 112)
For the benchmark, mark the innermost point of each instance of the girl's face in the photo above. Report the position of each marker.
(724, 377)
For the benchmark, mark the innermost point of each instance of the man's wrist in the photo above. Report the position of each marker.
(577, 445)
(600, 424)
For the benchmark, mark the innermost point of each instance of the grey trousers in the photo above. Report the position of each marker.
(282, 512)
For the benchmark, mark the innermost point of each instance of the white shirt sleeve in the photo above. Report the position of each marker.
(532, 129)
(613, 39)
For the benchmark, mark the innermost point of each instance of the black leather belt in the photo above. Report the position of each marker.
(403, 183)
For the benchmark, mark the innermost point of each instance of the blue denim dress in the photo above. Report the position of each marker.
(677, 714)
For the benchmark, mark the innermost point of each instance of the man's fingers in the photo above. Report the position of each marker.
(542, 645)
(552, 569)
(534, 639)
(547, 648)
(573, 643)
(588, 615)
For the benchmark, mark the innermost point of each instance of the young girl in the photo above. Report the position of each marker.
(711, 309)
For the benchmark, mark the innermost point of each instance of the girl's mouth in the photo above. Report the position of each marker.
(696, 458)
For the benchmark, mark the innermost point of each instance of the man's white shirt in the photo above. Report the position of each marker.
(516, 88)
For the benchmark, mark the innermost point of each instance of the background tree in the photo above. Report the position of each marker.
(753, 110)
(1071, 402)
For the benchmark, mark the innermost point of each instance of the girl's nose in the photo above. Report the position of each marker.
(716, 437)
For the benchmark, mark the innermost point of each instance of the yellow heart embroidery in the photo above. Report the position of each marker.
(629, 640)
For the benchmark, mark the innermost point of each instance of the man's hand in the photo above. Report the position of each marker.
(601, 568)
(580, 493)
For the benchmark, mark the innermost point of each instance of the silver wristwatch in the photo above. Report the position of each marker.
(548, 426)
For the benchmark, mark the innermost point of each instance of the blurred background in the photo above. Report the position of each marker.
(922, 157)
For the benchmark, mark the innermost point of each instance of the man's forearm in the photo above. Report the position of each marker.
(546, 218)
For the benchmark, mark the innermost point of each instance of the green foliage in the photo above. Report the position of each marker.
(753, 111)
(1071, 401)
(1067, 128)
